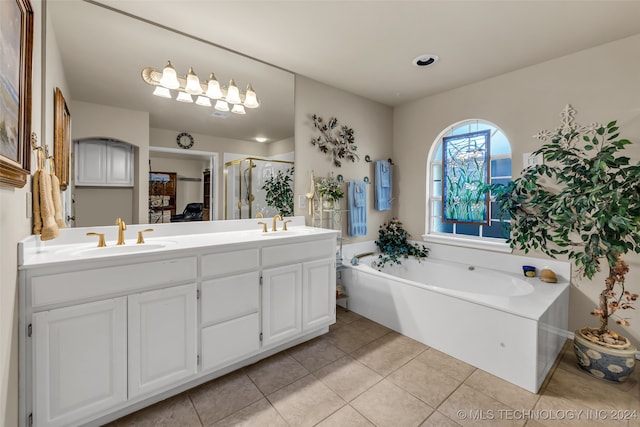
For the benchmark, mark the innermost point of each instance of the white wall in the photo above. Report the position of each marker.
(601, 83)
(373, 131)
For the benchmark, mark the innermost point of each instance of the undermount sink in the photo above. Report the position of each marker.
(122, 249)
(289, 232)
(112, 249)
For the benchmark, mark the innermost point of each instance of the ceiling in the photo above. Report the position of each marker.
(367, 47)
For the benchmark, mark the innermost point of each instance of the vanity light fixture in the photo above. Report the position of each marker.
(167, 80)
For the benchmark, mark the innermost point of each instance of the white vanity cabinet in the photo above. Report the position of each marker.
(229, 308)
(109, 335)
(102, 336)
(80, 361)
(162, 327)
(298, 293)
(281, 304)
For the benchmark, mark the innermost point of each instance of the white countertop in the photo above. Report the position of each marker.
(74, 246)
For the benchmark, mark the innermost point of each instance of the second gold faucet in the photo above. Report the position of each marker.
(121, 227)
(275, 218)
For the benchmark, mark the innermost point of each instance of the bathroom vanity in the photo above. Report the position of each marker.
(109, 330)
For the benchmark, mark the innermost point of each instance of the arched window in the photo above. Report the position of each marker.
(464, 156)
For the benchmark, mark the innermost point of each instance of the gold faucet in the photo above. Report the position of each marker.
(121, 227)
(259, 215)
(140, 238)
(264, 226)
(284, 225)
(273, 226)
(101, 243)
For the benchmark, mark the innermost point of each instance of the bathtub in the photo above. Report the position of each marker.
(503, 323)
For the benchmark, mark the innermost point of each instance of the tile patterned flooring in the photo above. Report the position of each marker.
(363, 374)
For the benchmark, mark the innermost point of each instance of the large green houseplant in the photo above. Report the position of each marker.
(583, 202)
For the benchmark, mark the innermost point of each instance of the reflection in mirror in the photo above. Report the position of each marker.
(97, 54)
(253, 185)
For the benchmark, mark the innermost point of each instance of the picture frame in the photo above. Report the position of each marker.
(16, 45)
(61, 139)
(465, 169)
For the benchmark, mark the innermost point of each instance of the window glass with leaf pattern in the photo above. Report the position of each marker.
(477, 153)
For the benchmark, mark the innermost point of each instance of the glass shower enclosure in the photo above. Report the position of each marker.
(244, 196)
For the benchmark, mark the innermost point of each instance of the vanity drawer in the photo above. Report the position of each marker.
(229, 342)
(297, 252)
(223, 263)
(107, 281)
(229, 297)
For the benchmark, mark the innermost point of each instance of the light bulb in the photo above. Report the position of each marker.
(233, 94)
(251, 99)
(169, 77)
(204, 101)
(184, 97)
(162, 92)
(193, 83)
(221, 105)
(213, 88)
(238, 109)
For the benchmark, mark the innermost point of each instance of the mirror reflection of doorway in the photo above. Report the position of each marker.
(192, 175)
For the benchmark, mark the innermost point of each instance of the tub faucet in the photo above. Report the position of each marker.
(273, 226)
(356, 258)
(121, 227)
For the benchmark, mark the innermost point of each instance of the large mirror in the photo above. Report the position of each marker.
(96, 55)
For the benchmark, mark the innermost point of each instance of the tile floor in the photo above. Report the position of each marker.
(363, 374)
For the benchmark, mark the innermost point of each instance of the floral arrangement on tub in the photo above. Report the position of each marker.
(394, 245)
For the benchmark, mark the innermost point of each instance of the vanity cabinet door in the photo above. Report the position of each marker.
(162, 338)
(318, 294)
(80, 361)
(281, 304)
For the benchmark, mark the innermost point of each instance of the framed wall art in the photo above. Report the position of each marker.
(62, 138)
(16, 50)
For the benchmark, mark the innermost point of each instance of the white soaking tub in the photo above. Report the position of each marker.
(503, 323)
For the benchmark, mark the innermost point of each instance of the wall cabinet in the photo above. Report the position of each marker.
(104, 163)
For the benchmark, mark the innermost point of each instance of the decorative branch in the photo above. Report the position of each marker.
(341, 145)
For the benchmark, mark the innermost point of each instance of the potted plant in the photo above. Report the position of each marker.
(279, 192)
(583, 202)
(330, 190)
(394, 245)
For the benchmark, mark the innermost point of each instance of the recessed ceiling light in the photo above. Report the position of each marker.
(425, 60)
(261, 139)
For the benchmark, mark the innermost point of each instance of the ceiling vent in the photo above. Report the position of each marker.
(425, 60)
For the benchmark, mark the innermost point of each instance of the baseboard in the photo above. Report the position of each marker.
(570, 335)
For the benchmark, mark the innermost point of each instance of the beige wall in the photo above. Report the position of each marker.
(602, 84)
(373, 130)
(15, 225)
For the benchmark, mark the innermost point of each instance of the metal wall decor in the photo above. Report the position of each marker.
(339, 142)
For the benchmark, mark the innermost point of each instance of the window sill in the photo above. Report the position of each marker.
(468, 243)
